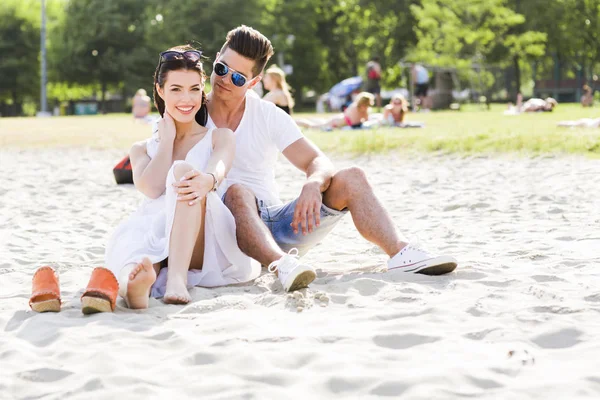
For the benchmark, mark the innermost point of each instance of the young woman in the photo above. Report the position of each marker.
(353, 116)
(181, 217)
(394, 113)
(279, 90)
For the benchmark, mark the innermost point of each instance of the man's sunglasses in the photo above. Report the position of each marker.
(237, 79)
(171, 55)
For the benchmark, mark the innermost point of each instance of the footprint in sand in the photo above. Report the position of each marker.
(560, 339)
(400, 342)
(301, 300)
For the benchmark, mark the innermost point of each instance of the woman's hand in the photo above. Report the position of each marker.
(193, 186)
(166, 128)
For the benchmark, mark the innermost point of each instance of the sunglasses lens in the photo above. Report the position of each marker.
(238, 79)
(170, 55)
(221, 69)
(192, 55)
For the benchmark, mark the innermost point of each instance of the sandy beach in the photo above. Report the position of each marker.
(519, 319)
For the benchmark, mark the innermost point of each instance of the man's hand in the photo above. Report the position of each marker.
(307, 213)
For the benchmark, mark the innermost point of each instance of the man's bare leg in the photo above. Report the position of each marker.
(350, 189)
(253, 236)
(256, 241)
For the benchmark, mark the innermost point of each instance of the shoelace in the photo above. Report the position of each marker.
(274, 266)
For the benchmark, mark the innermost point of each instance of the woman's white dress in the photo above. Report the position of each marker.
(146, 233)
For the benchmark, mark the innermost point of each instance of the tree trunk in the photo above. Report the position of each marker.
(17, 105)
(103, 98)
(517, 75)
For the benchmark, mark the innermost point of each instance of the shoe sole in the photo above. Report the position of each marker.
(93, 305)
(302, 280)
(438, 269)
(46, 306)
(441, 265)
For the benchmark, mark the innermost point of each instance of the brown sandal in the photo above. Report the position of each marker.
(101, 292)
(45, 291)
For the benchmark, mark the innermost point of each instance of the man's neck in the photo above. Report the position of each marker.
(226, 114)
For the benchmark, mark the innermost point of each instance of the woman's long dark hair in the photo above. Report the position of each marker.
(163, 68)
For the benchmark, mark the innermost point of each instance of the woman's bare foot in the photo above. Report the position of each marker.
(141, 278)
(176, 292)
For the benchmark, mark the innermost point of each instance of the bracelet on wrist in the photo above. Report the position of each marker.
(215, 181)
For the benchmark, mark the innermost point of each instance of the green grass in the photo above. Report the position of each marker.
(473, 131)
(470, 131)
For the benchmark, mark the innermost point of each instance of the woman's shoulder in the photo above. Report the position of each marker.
(277, 96)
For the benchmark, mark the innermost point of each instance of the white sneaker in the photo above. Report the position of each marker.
(415, 260)
(292, 274)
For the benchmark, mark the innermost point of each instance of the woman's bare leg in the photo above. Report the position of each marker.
(333, 122)
(309, 123)
(185, 235)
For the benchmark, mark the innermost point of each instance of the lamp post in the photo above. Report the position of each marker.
(43, 101)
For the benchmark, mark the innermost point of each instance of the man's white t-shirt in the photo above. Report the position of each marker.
(262, 134)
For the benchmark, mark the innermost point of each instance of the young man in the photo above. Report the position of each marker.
(273, 233)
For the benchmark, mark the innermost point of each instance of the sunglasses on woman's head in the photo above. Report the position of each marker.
(237, 79)
(171, 55)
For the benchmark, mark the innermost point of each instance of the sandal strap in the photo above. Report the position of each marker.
(45, 282)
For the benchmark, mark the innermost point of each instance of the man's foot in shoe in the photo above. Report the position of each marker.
(418, 261)
(293, 274)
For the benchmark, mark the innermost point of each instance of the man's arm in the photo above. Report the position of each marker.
(319, 170)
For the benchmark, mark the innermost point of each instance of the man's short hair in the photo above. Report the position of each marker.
(251, 44)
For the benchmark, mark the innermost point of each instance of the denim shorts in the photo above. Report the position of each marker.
(278, 219)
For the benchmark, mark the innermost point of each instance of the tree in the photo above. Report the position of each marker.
(19, 53)
(102, 42)
(572, 28)
(462, 33)
(335, 39)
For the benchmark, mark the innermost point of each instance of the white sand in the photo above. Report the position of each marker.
(519, 319)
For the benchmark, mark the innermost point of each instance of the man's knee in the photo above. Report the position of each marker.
(182, 168)
(239, 197)
(351, 178)
(346, 184)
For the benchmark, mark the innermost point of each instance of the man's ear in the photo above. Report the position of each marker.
(255, 81)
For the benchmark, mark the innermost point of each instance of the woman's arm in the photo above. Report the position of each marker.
(401, 118)
(387, 110)
(221, 160)
(150, 174)
(364, 114)
(195, 185)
